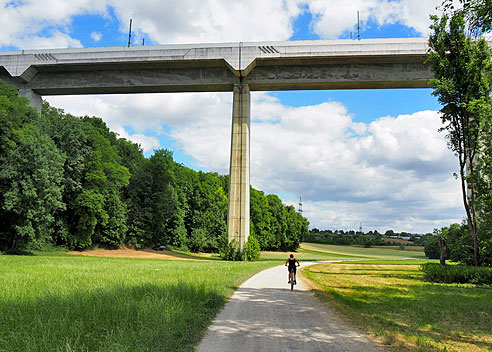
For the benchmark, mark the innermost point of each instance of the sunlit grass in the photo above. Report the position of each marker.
(72, 303)
(393, 303)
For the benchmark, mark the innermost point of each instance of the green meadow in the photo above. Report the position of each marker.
(60, 302)
(390, 301)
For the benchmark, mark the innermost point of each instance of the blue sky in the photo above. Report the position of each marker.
(370, 156)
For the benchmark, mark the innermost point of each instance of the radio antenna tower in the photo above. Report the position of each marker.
(360, 227)
(299, 210)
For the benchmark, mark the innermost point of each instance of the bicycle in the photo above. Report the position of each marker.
(291, 279)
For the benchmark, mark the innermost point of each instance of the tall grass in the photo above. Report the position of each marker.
(71, 303)
(393, 303)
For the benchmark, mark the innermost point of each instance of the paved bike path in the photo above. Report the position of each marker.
(264, 315)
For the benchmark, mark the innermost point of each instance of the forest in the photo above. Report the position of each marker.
(70, 182)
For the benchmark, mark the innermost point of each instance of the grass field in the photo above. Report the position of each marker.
(393, 304)
(59, 302)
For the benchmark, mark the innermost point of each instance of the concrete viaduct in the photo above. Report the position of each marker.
(236, 67)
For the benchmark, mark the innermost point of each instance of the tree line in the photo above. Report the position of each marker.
(68, 181)
(353, 238)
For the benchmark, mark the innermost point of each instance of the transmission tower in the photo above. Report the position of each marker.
(299, 209)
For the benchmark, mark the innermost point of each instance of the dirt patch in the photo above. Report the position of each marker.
(396, 240)
(132, 253)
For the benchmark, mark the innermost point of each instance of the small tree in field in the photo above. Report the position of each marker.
(461, 65)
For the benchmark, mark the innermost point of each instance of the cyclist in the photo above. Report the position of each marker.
(292, 263)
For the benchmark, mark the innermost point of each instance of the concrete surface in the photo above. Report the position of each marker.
(264, 315)
(315, 64)
(238, 210)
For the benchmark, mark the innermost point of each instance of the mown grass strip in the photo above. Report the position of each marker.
(73, 303)
(394, 304)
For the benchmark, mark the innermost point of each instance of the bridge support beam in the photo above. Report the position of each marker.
(35, 100)
(238, 212)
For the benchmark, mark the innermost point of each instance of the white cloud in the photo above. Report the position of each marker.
(191, 21)
(334, 17)
(23, 22)
(96, 36)
(146, 143)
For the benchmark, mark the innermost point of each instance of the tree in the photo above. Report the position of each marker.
(477, 12)
(389, 233)
(461, 66)
(32, 176)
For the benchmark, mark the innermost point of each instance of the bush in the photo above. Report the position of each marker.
(252, 249)
(431, 248)
(457, 274)
(231, 251)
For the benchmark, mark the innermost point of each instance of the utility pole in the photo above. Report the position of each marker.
(130, 34)
(358, 26)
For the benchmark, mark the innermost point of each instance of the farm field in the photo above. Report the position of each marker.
(391, 302)
(391, 253)
(60, 302)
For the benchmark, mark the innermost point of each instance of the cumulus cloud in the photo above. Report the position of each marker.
(333, 18)
(96, 36)
(146, 143)
(192, 21)
(23, 22)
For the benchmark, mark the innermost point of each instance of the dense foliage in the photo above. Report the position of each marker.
(460, 274)
(69, 181)
(459, 247)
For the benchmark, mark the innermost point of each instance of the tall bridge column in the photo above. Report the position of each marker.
(35, 100)
(238, 213)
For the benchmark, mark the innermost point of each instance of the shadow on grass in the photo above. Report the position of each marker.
(123, 318)
(435, 312)
(17, 252)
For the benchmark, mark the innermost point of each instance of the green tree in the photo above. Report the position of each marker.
(477, 12)
(252, 248)
(31, 175)
(461, 67)
(99, 212)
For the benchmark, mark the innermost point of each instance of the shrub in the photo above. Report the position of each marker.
(231, 251)
(252, 249)
(431, 248)
(457, 274)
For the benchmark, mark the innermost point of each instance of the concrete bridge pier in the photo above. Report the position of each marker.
(35, 100)
(238, 212)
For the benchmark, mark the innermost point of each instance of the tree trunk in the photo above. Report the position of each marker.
(444, 251)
